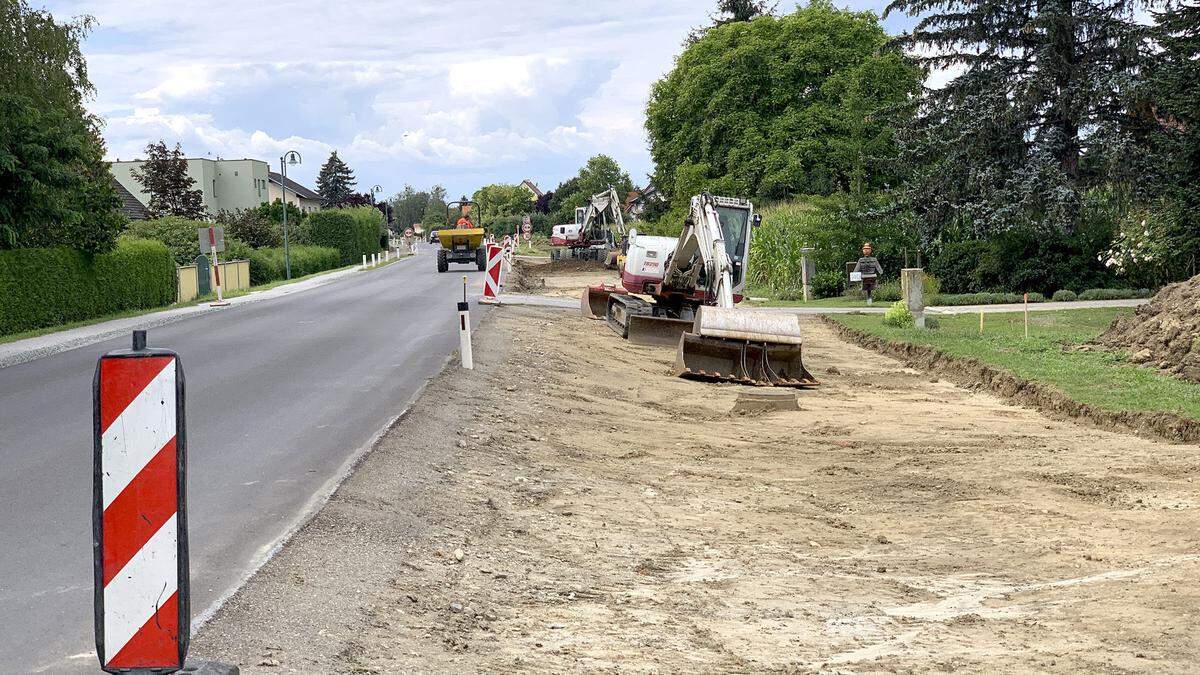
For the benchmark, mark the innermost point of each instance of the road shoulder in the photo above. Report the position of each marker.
(569, 506)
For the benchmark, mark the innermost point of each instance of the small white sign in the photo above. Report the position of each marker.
(856, 276)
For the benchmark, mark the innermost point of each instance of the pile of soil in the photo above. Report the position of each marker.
(1163, 334)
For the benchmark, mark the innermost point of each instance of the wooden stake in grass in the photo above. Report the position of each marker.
(1026, 316)
(981, 322)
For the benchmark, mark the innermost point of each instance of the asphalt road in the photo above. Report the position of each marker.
(282, 394)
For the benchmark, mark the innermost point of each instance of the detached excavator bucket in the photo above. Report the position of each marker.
(594, 303)
(656, 330)
(744, 346)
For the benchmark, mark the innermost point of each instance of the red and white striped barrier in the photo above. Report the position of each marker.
(139, 518)
(492, 275)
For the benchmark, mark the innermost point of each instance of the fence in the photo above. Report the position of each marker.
(235, 276)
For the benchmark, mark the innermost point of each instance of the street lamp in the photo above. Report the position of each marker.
(374, 191)
(291, 157)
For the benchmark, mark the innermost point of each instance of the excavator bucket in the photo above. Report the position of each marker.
(644, 329)
(744, 346)
(594, 303)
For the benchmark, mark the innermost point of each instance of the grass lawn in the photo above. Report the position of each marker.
(1103, 379)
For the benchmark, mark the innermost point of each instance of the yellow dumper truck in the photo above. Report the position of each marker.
(463, 242)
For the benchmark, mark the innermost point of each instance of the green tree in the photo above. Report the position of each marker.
(1173, 221)
(172, 191)
(409, 207)
(733, 11)
(1039, 114)
(435, 210)
(500, 200)
(335, 183)
(781, 105)
(600, 173)
(255, 227)
(55, 188)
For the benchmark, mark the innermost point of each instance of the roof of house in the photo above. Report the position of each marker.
(131, 207)
(292, 185)
(529, 185)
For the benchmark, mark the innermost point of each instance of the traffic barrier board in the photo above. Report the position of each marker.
(139, 511)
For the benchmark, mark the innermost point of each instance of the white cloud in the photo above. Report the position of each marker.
(454, 91)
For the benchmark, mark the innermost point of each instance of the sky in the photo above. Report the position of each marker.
(461, 93)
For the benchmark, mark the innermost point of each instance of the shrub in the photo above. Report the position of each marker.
(1114, 294)
(254, 226)
(1023, 259)
(178, 234)
(983, 299)
(41, 287)
(899, 316)
(828, 284)
(268, 264)
(353, 232)
(1064, 295)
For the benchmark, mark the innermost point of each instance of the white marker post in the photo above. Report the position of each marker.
(464, 331)
(364, 261)
(212, 244)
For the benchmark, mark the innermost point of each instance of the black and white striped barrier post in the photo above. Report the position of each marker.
(464, 331)
(139, 510)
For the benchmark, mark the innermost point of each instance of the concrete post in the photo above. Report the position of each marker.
(912, 281)
(807, 270)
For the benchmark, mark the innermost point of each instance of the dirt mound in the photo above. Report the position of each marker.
(1162, 334)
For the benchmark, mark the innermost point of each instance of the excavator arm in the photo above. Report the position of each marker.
(701, 254)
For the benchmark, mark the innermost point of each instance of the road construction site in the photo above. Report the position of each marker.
(570, 505)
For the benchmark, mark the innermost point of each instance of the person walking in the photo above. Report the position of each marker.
(868, 265)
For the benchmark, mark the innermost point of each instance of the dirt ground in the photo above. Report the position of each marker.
(570, 506)
(560, 278)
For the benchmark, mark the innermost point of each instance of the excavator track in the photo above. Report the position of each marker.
(633, 319)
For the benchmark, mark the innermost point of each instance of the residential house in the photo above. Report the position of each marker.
(227, 184)
(637, 200)
(533, 189)
(304, 199)
(131, 208)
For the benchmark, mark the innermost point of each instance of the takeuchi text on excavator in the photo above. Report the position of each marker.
(596, 233)
(682, 291)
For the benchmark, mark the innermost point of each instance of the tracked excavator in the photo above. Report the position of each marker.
(682, 291)
(596, 233)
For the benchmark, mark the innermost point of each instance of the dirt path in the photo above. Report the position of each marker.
(579, 509)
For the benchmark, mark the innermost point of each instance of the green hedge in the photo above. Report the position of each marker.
(1064, 295)
(353, 232)
(43, 287)
(1114, 294)
(267, 264)
(983, 299)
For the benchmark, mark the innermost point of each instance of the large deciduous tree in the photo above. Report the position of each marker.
(499, 200)
(600, 173)
(55, 188)
(780, 105)
(165, 178)
(409, 207)
(336, 182)
(1037, 113)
